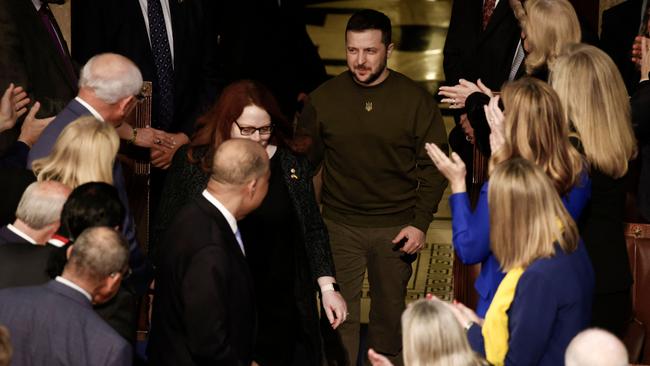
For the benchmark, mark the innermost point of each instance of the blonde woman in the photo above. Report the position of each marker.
(533, 128)
(84, 152)
(545, 298)
(431, 337)
(547, 26)
(597, 108)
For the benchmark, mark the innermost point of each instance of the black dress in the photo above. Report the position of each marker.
(601, 228)
(271, 240)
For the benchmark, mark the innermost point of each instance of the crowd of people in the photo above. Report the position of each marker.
(270, 202)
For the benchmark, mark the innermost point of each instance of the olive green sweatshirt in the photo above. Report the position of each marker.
(370, 140)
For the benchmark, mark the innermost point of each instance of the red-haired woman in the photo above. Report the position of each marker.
(285, 239)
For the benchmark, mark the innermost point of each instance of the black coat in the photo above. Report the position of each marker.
(620, 26)
(204, 309)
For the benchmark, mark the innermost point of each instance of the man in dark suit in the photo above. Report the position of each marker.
(173, 43)
(37, 215)
(203, 310)
(64, 307)
(34, 55)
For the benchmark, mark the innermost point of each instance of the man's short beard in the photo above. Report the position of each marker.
(374, 76)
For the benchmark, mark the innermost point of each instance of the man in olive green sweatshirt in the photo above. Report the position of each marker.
(380, 190)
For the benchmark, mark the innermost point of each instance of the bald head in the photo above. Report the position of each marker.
(238, 161)
(111, 77)
(41, 204)
(596, 347)
(98, 252)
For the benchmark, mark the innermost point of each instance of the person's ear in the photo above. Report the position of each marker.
(68, 251)
(252, 187)
(389, 50)
(125, 105)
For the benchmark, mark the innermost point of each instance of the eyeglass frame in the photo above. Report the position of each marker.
(255, 129)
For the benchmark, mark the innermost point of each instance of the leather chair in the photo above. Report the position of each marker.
(638, 246)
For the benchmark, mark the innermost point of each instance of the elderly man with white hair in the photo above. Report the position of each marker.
(595, 347)
(109, 87)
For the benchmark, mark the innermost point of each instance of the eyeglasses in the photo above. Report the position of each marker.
(248, 130)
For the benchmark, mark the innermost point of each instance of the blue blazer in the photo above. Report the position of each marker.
(552, 304)
(471, 236)
(43, 147)
(54, 324)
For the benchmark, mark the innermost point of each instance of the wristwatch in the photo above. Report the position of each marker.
(331, 287)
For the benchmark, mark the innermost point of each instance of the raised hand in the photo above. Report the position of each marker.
(495, 119)
(453, 169)
(457, 94)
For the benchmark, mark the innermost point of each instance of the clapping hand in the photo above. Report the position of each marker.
(12, 106)
(453, 169)
(495, 119)
(377, 360)
(457, 95)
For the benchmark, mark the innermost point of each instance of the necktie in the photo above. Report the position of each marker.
(516, 62)
(163, 97)
(239, 241)
(48, 20)
(488, 9)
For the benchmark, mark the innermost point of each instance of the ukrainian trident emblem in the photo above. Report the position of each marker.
(368, 106)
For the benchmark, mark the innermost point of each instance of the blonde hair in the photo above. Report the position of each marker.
(536, 129)
(432, 336)
(527, 216)
(549, 25)
(596, 103)
(84, 152)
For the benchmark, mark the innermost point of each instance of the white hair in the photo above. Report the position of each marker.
(41, 204)
(112, 77)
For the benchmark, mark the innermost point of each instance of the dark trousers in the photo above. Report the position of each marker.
(356, 249)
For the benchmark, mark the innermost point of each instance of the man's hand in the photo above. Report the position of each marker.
(453, 169)
(637, 49)
(645, 58)
(457, 94)
(12, 106)
(153, 138)
(33, 127)
(377, 360)
(414, 239)
(161, 156)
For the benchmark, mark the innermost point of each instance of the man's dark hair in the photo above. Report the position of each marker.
(89, 205)
(371, 19)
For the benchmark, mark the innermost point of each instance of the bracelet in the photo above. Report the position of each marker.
(135, 134)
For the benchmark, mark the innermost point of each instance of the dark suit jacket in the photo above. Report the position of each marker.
(8, 236)
(620, 26)
(29, 58)
(44, 145)
(55, 324)
(471, 53)
(641, 121)
(118, 26)
(203, 310)
(24, 264)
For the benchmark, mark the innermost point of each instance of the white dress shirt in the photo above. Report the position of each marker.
(90, 109)
(18, 232)
(168, 23)
(74, 286)
(229, 218)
